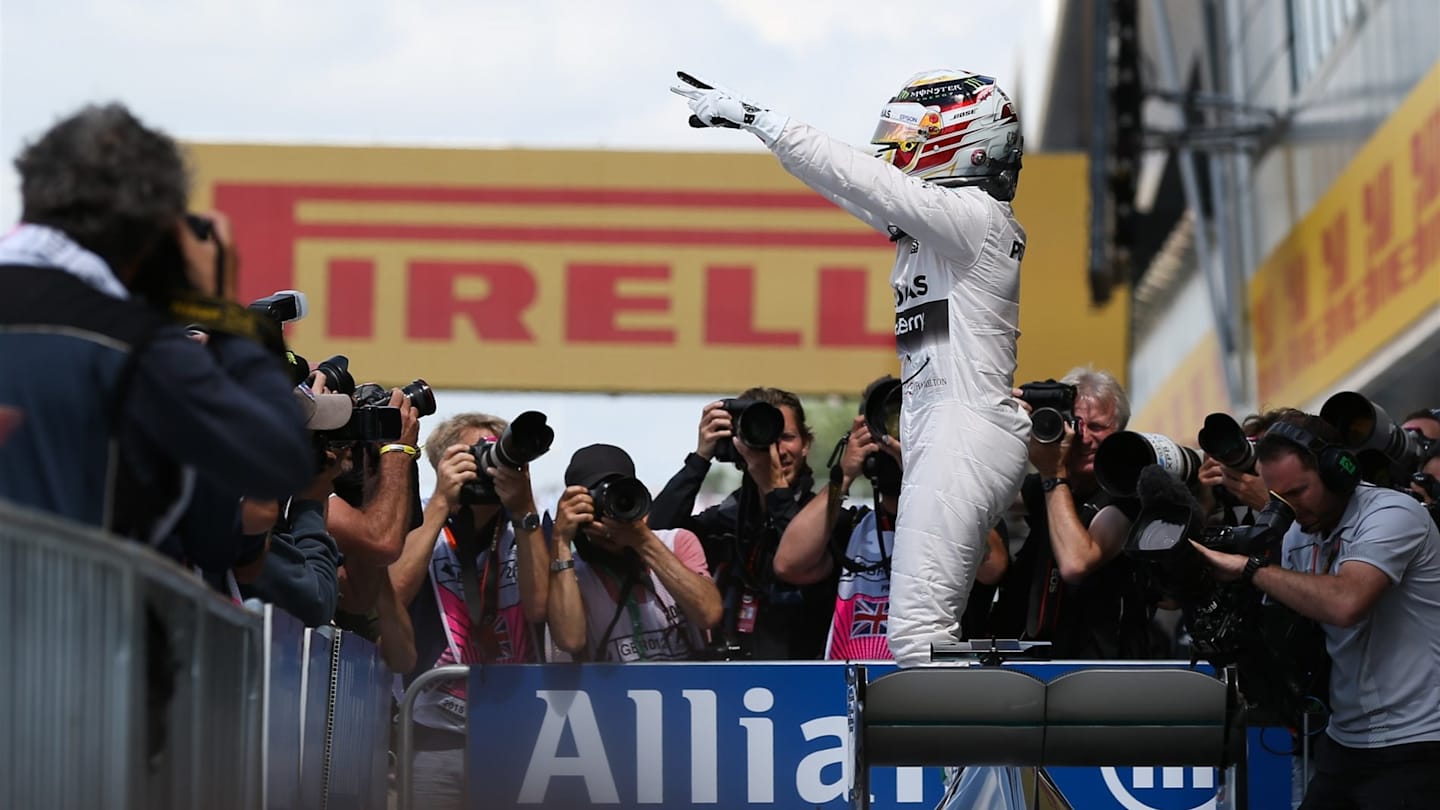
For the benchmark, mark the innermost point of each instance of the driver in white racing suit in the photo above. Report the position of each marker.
(948, 161)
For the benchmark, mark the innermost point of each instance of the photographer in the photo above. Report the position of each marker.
(1426, 423)
(371, 514)
(635, 594)
(1364, 562)
(299, 572)
(860, 543)
(765, 619)
(1069, 584)
(120, 408)
(475, 578)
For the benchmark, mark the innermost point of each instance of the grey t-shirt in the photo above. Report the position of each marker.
(1385, 676)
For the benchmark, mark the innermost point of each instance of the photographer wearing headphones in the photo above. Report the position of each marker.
(121, 410)
(764, 432)
(1069, 583)
(1364, 562)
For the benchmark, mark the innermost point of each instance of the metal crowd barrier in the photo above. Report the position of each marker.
(129, 684)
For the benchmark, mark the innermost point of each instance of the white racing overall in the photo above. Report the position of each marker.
(957, 302)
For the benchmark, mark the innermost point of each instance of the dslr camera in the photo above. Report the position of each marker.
(756, 424)
(1052, 407)
(372, 420)
(526, 439)
(880, 406)
(622, 499)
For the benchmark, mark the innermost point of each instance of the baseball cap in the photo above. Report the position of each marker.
(594, 463)
(323, 411)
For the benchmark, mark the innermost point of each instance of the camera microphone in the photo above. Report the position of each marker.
(1169, 514)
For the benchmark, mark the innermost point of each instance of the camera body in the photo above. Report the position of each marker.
(622, 499)
(417, 393)
(1052, 407)
(755, 423)
(524, 440)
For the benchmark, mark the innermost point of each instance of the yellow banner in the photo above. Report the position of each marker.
(1361, 267)
(1194, 390)
(610, 271)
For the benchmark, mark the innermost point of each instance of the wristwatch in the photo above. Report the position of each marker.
(528, 522)
(556, 566)
(1255, 563)
(1050, 483)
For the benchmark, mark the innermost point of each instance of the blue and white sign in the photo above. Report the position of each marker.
(728, 735)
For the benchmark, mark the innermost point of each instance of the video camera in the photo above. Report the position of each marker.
(1280, 655)
(526, 439)
(756, 424)
(1052, 407)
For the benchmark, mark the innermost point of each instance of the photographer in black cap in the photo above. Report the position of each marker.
(636, 594)
(121, 409)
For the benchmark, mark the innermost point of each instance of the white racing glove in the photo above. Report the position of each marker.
(715, 107)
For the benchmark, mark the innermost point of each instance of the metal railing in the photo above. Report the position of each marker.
(128, 684)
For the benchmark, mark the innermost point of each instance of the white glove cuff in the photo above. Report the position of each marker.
(768, 125)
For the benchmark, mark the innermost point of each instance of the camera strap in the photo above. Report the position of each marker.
(226, 317)
(482, 589)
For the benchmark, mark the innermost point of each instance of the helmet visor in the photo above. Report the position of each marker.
(900, 123)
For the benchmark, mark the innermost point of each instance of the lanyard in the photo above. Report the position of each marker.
(627, 603)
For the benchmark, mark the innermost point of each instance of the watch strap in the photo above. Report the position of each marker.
(1048, 484)
(556, 566)
(1255, 563)
(526, 522)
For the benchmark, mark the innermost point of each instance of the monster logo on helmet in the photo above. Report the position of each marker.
(953, 128)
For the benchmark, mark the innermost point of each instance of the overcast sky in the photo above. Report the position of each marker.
(539, 73)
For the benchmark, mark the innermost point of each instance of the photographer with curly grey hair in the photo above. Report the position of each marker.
(124, 415)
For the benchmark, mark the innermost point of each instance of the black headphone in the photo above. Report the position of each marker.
(1338, 467)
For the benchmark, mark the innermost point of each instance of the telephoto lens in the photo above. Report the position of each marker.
(1224, 440)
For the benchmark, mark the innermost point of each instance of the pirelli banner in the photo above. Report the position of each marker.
(610, 271)
(1362, 268)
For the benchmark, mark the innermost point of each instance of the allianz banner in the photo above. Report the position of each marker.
(737, 735)
(609, 270)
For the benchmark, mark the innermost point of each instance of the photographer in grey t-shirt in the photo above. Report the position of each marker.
(1363, 561)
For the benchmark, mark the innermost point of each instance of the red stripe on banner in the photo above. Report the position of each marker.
(603, 236)
(351, 310)
(606, 197)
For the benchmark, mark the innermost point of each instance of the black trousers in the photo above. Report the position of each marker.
(1397, 777)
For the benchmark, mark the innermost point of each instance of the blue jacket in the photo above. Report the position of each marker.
(116, 402)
